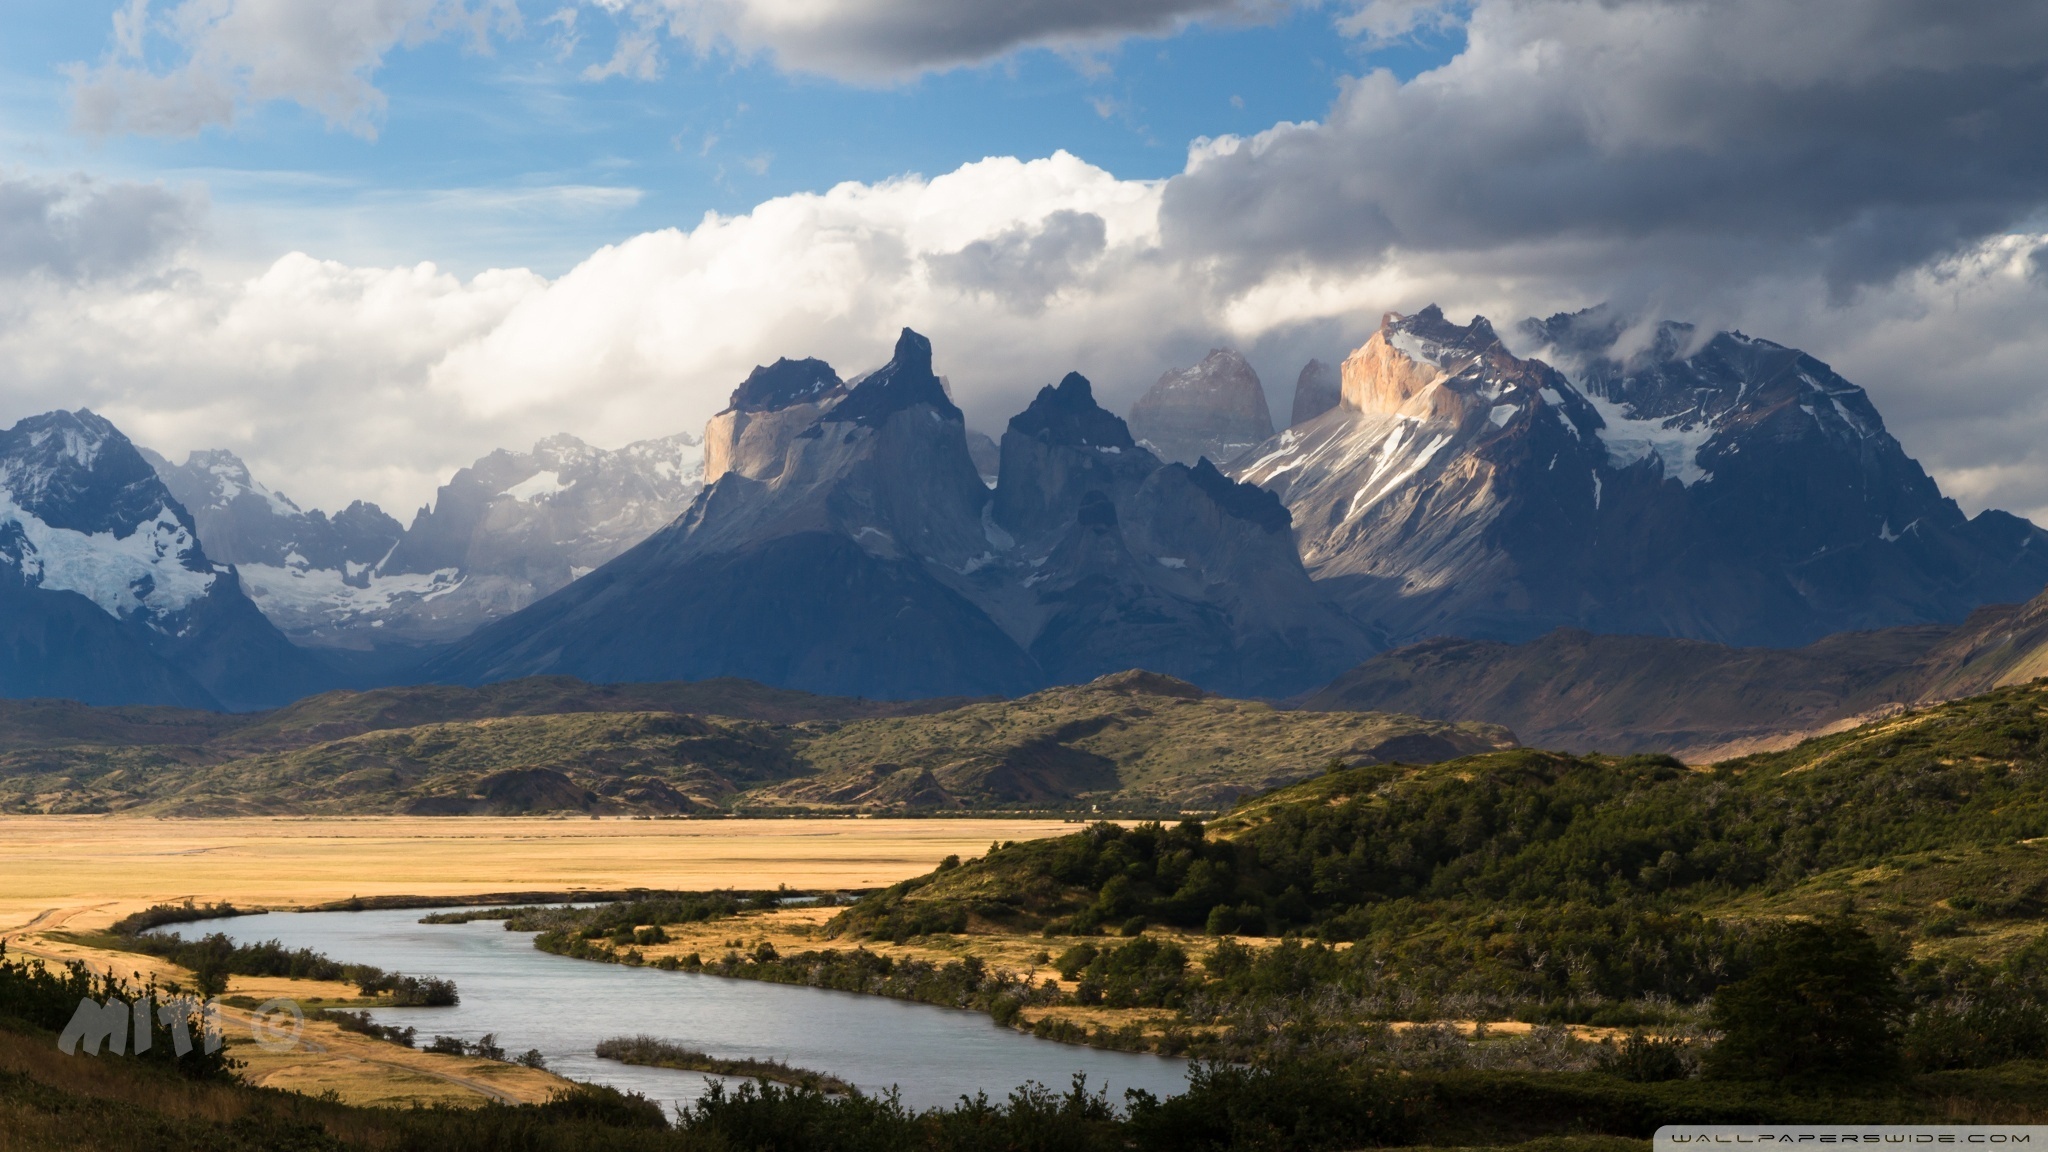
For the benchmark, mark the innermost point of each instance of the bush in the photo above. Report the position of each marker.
(1822, 1006)
(1645, 1059)
(1303, 1106)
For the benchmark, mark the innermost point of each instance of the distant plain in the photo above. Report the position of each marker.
(113, 865)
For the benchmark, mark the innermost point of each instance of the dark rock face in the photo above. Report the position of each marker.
(904, 382)
(1316, 391)
(784, 383)
(1215, 410)
(105, 593)
(1111, 560)
(1724, 489)
(987, 456)
(849, 545)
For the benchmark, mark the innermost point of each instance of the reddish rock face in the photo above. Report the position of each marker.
(1217, 410)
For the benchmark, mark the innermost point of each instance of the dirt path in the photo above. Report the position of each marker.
(48, 919)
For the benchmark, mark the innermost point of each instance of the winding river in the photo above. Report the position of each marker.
(531, 999)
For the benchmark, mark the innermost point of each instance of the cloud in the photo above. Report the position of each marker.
(1027, 264)
(1866, 181)
(878, 41)
(338, 382)
(235, 53)
(80, 229)
(1862, 137)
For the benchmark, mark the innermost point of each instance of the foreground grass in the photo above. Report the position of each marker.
(49, 1101)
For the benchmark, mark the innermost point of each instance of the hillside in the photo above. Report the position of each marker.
(1130, 741)
(1579, 692)
(1135, 738)
(334, 715)
(1461, 877)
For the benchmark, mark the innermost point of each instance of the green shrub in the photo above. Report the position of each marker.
(1822, 1006)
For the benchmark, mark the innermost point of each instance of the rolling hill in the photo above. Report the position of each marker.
(1128, 741)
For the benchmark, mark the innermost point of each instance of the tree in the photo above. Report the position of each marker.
(1823, 1006)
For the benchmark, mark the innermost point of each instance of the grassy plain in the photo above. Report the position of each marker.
(108, 866)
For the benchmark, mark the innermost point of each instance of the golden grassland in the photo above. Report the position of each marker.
(115, 865)
(64, 878)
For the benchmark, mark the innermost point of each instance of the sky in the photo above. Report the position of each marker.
(364, 242)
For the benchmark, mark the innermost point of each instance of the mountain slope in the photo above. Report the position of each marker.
(1472, 876)
(1134, 738)
(87, 527)
(1736, 491)
(1579, 692)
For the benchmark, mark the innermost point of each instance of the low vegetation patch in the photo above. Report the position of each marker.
(651, 1052)
(215, 957)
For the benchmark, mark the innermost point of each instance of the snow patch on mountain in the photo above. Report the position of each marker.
(297, 596)
(1675, 442)
(144, 571)
(537, 487)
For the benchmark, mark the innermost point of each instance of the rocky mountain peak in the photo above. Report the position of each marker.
(1247, 502)
(1064, 445)
(106, 593)
(1067, 413)
(1398, 371)
(784, 383)
(1216, 409)
(1318, 389)
(76, 471)
(905, 381)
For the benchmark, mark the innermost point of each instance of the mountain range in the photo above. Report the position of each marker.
(846, 543)
(106, 594)
(1715, 487)
(1627, 483)
(502, 533)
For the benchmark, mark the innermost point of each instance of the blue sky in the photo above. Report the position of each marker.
(513, 156)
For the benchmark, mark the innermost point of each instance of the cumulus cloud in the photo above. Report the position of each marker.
(883, 40)
(234, 53)
(79, 229)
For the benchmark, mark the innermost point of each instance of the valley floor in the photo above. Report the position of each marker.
(117, 865)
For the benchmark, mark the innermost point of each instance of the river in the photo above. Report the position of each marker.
(532, 999)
